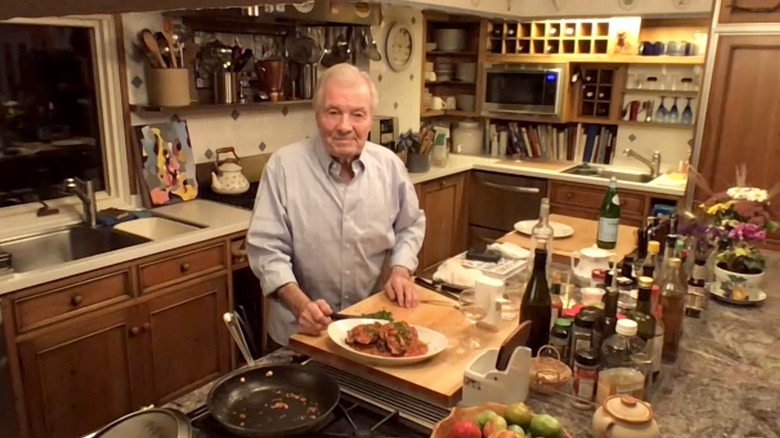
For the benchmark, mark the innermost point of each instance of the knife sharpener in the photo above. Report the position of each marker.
(483, 383)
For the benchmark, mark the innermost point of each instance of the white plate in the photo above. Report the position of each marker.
(337, 331)
(559, 230)
(755, 295)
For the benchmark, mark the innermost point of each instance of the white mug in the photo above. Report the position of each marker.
(438, 103)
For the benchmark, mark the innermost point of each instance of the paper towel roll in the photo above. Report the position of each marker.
(488, 291)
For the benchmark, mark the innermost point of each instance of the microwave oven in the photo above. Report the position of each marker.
(529, 89)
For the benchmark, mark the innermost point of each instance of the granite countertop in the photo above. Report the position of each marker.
(725, 383)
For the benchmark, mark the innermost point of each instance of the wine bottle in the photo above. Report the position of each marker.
(537, 305)
(673, 291)
(609, 218)
(647, 323)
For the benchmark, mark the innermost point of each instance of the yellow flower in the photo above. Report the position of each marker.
(741, 252)
(722, 206)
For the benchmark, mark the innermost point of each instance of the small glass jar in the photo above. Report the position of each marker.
(559, 337)
(586, 377)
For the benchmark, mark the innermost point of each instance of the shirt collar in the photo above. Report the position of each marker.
(329, 164)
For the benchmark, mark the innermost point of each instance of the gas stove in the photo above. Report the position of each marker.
(351, 418)
(244, 200)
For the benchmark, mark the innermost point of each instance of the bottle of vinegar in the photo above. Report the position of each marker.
(609, 218)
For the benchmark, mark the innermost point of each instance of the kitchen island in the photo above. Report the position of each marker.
(725, 383)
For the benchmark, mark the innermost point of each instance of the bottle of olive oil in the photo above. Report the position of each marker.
(609, 218)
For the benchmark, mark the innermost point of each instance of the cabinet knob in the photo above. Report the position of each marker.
(569, 195)
(184, 267)
(145, 327)
(134, 331)
(76, 300)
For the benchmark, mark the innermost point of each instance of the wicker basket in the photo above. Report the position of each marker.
(444, 427)
(549, 374)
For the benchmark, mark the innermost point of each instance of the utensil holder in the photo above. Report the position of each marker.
(225, 87)
(483, 383)
(418, 163)
(168, 87)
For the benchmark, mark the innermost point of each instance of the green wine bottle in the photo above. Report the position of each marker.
(609, 217)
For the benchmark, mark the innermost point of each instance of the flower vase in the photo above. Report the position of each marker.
(748, 280)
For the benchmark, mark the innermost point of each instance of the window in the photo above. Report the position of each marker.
(60, 112)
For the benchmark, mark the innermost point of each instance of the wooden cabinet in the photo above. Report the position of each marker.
(93, 347)
(82, 376)
(749, 11)
(445, 231)
(598, 96)
(585, 201)
(742, 115)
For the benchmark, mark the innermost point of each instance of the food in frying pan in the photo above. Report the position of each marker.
(394, 339)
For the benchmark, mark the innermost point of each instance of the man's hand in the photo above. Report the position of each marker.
(313, 316)
(399, 287)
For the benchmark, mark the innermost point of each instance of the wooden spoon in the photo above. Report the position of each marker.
(168, 33)
(151, 45)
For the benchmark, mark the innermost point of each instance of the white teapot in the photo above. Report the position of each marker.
(226, 178)
(590, 259)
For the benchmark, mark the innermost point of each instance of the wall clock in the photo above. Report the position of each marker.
(398, 46)
(627, 4)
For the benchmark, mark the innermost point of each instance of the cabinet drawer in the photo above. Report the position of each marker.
(182, 266)
(56, 304)
(590, 198)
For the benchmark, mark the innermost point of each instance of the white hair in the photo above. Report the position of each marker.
(344, 71)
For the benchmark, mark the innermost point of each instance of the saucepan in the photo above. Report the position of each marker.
(271, 401)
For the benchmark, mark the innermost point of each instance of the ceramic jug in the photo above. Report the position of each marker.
(227, 178)
(588, 260)
(623, 416)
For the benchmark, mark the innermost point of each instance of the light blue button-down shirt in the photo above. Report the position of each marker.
(335, 239)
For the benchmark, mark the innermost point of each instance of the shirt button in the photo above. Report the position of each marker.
(346, 272)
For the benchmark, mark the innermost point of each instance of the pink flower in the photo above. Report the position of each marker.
(747, 232)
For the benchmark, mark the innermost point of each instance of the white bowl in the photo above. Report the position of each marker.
(337, 331)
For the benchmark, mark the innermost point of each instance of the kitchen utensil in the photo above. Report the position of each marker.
(308, 80)
(225, 87)
(559, 230)
(450, 40)
(516, 339)
(242, 60)
(168, 87)
(168, 33)
(166, 423)
(418, 163)
(272, 74)
(337, 331)
(440, 303)
(151, 45)
(226, 178)
(623, 416)
(590, 259)
(165, 49)
(369, 45)
(245, 400)
(231, 321)
(301, 48)
(446, 289)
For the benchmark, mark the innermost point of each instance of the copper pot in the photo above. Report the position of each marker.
(271, 74)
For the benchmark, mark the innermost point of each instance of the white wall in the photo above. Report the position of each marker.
(399, 92)
(214, 130)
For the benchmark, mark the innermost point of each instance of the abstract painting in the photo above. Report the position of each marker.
(167, 161)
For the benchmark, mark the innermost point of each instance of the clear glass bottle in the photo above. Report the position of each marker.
(542, 235)
(651, 261)
(696, 295)
(609, 217)
(619, 374)
(673, 303)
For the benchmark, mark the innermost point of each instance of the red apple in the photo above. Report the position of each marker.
(465, 429)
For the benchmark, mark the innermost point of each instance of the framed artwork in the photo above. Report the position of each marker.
(167, 164)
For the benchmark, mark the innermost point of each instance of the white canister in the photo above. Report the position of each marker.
(488, 290)
(467, 137)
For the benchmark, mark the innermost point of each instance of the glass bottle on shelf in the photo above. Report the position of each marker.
(687, 115)
(660, 113)
(674, 114)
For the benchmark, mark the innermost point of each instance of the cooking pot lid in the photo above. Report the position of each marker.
(151, 423)
(628, 409)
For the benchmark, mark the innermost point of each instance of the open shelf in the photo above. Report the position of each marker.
(154, 111)
(670, 93)
(654, 125)
(581, 57)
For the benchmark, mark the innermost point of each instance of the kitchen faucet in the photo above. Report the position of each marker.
(86, 192)
(654, 165)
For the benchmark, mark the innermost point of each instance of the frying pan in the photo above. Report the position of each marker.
(271, 401)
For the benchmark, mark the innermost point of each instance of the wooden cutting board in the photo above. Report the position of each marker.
(438, 380)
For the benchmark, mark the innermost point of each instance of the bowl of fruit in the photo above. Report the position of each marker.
(494, 420)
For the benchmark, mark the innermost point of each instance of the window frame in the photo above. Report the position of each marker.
(22, 219)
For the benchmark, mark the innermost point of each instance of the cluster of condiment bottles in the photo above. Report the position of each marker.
(618, 345)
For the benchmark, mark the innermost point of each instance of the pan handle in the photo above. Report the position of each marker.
(231, 321)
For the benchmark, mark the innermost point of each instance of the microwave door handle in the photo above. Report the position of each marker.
(510, 188)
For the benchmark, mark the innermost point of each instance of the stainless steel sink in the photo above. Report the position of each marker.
(56, 247)
(606, 173)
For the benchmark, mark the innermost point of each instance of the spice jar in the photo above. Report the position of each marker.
(559, 338)
(586, 377)
(581, 334)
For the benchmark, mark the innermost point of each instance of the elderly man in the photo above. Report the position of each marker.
(336, 217)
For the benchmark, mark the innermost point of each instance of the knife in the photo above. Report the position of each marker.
(439, 287)
(517, 338)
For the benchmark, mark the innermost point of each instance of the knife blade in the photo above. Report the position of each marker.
(436, 287)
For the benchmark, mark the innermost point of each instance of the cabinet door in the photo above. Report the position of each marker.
(445, 233)
(188, 342)
(743, 115)
(81, 377)
(750, 11)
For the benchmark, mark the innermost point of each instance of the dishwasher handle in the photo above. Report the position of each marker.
(510, 188)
